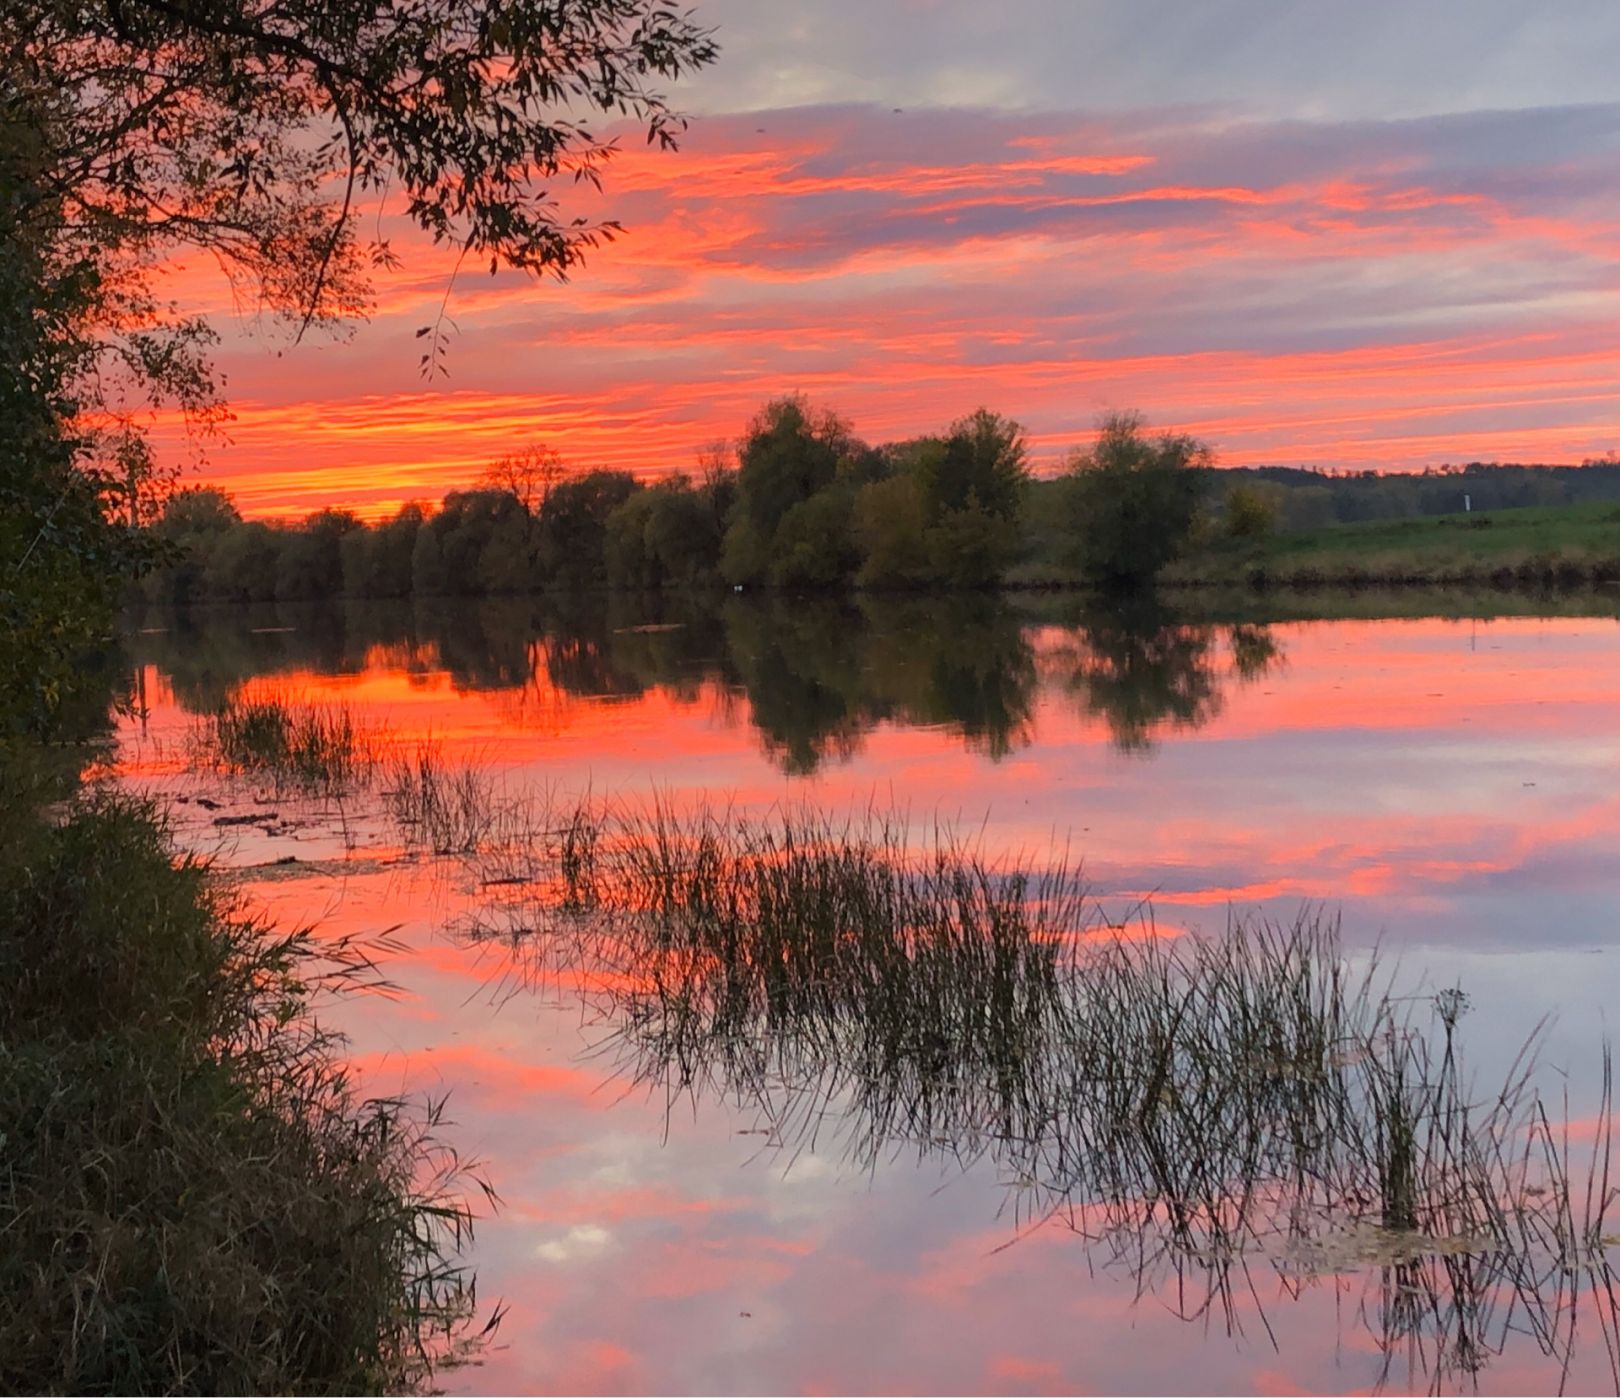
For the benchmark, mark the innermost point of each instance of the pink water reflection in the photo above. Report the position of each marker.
(1448, 786)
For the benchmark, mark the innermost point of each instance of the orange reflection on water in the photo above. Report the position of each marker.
(1446, 786)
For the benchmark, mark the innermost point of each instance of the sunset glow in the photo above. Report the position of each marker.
(1301, 283)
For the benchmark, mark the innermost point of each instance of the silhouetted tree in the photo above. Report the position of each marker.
(573, 526)
(377, 562)
(789, 454)
(984, 462)
(1132, 501)
(309, 564)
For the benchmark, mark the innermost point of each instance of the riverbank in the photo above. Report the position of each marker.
(195, 1198)
(1563, 545)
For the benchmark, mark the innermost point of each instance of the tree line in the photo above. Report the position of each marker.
(800, 502)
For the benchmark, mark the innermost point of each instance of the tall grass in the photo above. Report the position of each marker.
(444, 809)
(194, 1195)
(298, 745)
(1193, 1106)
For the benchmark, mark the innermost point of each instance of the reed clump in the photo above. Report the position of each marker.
(297, 745)
(444, 808)
(195, 1197)
(1192, 1105)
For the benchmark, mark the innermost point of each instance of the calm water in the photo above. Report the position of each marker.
(1446, 784)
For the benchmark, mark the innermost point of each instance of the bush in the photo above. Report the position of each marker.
(193, 1198)
(1250, 513)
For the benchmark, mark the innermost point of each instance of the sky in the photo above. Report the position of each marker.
(1344, 236)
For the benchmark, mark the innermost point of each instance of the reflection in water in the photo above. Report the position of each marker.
(1449, 790)
(817, 675)
(1142, 669)
(1200, 1111)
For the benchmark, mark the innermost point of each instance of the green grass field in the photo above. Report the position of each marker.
(1557, 544)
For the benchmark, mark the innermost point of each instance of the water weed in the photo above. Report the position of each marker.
(297, 745)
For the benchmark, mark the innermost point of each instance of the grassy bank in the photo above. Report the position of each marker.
(1556, 546)
(194, 1198)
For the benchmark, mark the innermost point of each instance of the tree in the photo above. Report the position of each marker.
(265, 135)
(891, 531)
(62, 552)
(270, 136)
(310, 565)
(789, 452)
(385, 555)
(1132, 501)
(626, 557)
(573, 526)
(528, 476)
(948, 513)
(814, 545)
(1251, 512)
(202, 509)
(247, 561)
(192, 523)
(984, 461)
(668, 536)
(429, 577)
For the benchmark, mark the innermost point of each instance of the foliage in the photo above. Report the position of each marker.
(789, 454)
(379, 561)
(1251, 512)
(62, 556)
(890, 524)
(266, 135)
(813, 547)
(1132, 502)
(668, 536)
(984, 463)
(574, 526)
(195, 1199)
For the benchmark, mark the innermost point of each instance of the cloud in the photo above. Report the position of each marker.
(1346, 292)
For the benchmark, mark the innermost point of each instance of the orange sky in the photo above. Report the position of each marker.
(1328, 288)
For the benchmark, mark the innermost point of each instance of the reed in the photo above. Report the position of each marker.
(1192, 1106)
(298, 745)
(443, 808)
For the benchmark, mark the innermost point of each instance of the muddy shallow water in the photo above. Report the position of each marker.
(1444, 784)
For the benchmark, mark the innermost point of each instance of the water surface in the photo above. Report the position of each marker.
(1443, 780)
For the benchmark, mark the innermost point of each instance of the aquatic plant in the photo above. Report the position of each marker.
(443, 808)
(1192, 1106)
(296, 744)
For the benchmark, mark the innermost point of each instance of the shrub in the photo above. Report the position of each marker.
(1250, 513)
(194, 1198)
(1132, 502)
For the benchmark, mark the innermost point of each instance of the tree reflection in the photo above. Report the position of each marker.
(1144, 670)
(816, 675)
